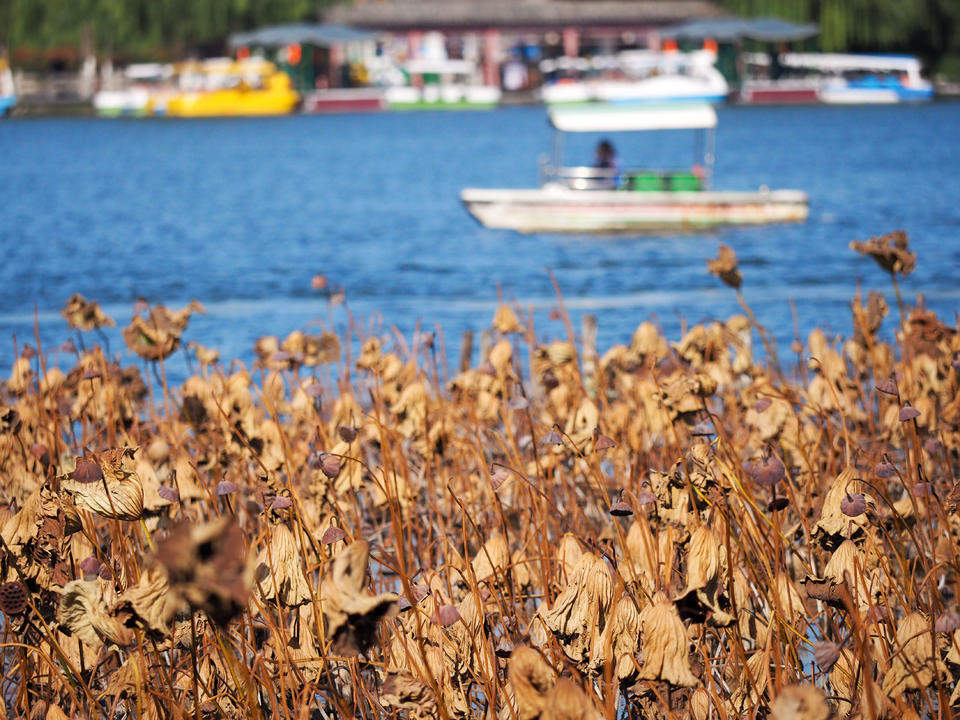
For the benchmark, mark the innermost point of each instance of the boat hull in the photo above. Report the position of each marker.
(561, 211)
(345, 100)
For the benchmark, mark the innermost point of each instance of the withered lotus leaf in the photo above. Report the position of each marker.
(404, 693)
(83, 613)
(148, 603)
(83, 314)
(531, 678)
(352, 613)
(579, 613)
(666, 653)
(916, 663)
(724, 266)
(505, 320)
(800, 702)
(891, 252)
(121, 499)
(279, 574)
(206, 567)
(706, 573)
(491, 559)
(622, 638)
(157, 335)
(566, 701)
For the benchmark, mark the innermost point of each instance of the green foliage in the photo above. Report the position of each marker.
(140, 27)
(925, 27)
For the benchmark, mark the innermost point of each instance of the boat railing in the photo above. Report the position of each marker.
(580, 177)
(643, 179)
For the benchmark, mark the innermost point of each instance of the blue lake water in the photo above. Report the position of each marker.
(240, 214)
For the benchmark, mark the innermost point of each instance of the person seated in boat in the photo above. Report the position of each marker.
(605, 158)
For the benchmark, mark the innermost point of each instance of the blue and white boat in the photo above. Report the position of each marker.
(848, 79)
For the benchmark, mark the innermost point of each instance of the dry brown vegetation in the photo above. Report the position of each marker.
(671, 530)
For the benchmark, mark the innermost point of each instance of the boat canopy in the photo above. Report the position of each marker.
(621, 118)
(840, 62)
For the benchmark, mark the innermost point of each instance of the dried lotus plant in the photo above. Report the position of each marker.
(675, 526)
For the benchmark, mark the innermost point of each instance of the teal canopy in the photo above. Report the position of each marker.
(732, 29)
(301, 33)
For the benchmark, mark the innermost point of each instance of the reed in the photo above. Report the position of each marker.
(669, 530)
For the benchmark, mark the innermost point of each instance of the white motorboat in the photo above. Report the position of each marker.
(601, 200)
(635, 76)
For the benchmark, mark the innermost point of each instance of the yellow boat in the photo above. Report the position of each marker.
(223, 87)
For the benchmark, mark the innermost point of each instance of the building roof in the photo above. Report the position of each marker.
(280, 35)
(436, 14)
(729, 29)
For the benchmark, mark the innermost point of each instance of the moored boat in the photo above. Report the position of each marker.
(224, 87)
(605, 200)
(344, 100)
(7, 97)
(635, 76)
(142, 82)
(834, 79)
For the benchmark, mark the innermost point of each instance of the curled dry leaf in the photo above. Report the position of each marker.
(891, 252)
(404, 693)
(352, 613)
(666, 653)
(83, 314)
(148, 604)
(157, 335)
(724, 266)
(566, 701)
(83, 613)
(505, 320)
(121, 499)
